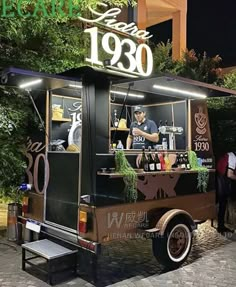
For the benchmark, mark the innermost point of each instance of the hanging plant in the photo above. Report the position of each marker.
(203, 172)
(202, 178)
(129, 176)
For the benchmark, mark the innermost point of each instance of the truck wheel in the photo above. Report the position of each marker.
(172, 248)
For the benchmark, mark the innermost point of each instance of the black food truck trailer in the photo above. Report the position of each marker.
(78, 197)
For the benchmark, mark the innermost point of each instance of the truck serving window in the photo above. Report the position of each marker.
(169, 115)
(66, 122)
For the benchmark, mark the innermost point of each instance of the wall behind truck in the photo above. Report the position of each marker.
(172, 113)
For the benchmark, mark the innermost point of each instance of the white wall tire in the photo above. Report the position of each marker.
(179, 242)
(173, 248)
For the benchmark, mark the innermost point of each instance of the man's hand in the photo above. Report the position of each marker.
(151, 137)
(137, 132)
(231, 174)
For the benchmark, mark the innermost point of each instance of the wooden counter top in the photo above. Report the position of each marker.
(143, 173)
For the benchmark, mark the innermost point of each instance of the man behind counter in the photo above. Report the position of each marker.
(143, 132)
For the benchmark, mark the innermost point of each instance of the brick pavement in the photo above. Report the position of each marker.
(212, 262)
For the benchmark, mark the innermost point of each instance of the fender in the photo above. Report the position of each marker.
(169, 215)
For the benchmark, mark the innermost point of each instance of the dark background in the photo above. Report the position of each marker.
(211, 26)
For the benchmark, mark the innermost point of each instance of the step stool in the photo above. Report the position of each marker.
(51, 252)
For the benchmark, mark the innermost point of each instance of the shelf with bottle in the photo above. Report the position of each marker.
(163, 160)
(119, 129)
(182, 161)
(118, 120)
(61, 120)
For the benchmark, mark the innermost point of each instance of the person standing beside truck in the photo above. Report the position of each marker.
(143, 132)
(226, 172)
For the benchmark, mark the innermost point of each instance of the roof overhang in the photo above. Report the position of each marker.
(171, 88)
(15, 77)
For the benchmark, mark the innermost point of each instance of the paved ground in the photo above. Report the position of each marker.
(212, 262)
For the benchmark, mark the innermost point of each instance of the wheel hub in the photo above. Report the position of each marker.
(178, 242)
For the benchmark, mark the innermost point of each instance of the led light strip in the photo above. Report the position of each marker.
(129, 94)
(183, 92)
(31, 83)
(75, 86)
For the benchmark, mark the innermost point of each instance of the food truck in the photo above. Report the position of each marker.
(78, 196)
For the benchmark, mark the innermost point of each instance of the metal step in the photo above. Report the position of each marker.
(47, 249)
(51, 252)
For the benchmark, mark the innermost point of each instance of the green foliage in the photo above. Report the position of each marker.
(230, 81)
(196, 67)
(203, 172)
(223, 123)
(16, 120)
(129, 176)
(202, 179)
(41, 44)
(199, 67)
(50, 44)
(162, 58)
(117, 3)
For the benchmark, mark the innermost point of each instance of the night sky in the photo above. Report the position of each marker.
(211, 27)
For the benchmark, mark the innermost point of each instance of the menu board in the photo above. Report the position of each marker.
(201, 141)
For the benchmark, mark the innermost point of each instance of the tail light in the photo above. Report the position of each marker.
(83, 218)
(25, 204)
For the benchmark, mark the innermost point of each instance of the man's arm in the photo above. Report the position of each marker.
(151, 137)
(129, 142)
(231, 174)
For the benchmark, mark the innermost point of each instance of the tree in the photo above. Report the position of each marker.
(16, 120)
(230, 81)
(50, 44)
(45, 42)
(193, 66)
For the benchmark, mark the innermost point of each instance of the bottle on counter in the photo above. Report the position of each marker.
(144, 161)
(116, 120)
(164, 144)
(187, 164)
(176, 164)
(151, 163)
(120, 145)
(157, 161)
(167, 162)
(181, 160)
(162, 161)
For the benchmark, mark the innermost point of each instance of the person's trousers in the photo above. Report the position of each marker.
(223, 187)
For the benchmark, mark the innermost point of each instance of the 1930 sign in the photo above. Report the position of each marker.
(114, 46)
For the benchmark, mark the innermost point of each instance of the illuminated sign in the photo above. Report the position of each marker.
(119, 49)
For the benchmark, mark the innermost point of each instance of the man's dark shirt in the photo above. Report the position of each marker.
(148, 126)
